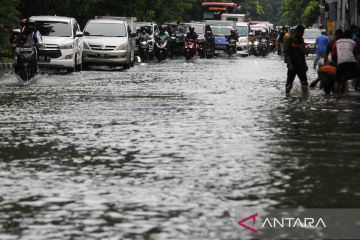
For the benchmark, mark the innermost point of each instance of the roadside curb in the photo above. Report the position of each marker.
(4, 66)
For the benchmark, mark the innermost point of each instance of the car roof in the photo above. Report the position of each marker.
(193, 23)
(51, 18)
(145, 23)
(312, 30)
(106, 20)
(242, 24)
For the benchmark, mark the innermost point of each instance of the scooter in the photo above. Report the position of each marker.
(161, 49)
(190, 49)
(144, 49)
(231, 47)
(263, 48)
(26, 64)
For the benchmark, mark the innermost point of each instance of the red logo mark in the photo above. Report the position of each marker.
(253, 217)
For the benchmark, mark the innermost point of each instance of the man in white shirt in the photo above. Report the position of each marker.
(347, 65)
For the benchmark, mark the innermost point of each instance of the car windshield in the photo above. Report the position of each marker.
(184, 28)
(311, 34)
(242, 31)
(105, 29)
(54, 29)
(221, 30)
(147, 26)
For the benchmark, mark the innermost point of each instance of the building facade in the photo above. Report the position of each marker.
(343, 13)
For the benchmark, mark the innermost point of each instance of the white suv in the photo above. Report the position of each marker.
(109, 42)
(63, 42)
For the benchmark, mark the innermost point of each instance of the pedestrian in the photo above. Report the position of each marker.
(327, 76)
(347, 64)
(356, 38)
(296, 63)
(281, 42)
(286, 39)
(331, 49)
(321, 43)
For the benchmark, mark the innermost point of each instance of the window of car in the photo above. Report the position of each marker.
(54, 28)
(242, 31)
(311, 34)
(221, 30)
(99, 29)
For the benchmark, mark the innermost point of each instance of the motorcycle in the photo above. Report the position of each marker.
(263, 48)
(144, 50)
(253, 48)
(273, 45)
(161, 49)
(172, 45)
(26, 64)
(231, 47)
(190, 49)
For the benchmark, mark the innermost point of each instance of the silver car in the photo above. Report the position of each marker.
(109, 42)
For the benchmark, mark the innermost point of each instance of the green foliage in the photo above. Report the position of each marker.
(300, 11)
(8, 20)
(147, 10)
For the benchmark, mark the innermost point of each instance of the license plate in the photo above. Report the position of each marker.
(44, 59)
(218, 51)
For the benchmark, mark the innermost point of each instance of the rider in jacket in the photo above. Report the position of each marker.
(233, 36)
(30, 37)
(191, 35)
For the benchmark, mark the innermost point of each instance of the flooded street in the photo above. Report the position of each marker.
(170, 150)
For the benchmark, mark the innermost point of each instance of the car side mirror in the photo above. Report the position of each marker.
(79, 34)
(133, 35)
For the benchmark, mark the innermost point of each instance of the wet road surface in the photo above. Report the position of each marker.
(169, 150)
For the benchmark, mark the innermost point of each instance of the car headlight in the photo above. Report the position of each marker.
(122, 47)
(67, 46)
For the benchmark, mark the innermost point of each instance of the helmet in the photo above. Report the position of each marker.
(191, 28)
(233, 31)
(161, 29)
(143, 29)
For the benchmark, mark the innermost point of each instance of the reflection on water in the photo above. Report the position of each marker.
(165, 151)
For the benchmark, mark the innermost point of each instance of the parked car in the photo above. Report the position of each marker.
(109, 41)
(242, 29)
(63, 42)
(310, 36)
(153, 31)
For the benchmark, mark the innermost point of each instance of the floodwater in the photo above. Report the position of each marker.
(170, 150)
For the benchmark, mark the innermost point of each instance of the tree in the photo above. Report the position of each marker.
(8, 20)
(300, 11)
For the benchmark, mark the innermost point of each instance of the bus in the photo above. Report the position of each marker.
(214, 10)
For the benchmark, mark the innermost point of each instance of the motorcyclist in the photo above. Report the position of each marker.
(191, 35)
(162, 35)
(30, 37)
(209, 38)
(143, 34)
(233, 35)
(232, 38)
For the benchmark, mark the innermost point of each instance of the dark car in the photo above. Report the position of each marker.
(183, 29)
